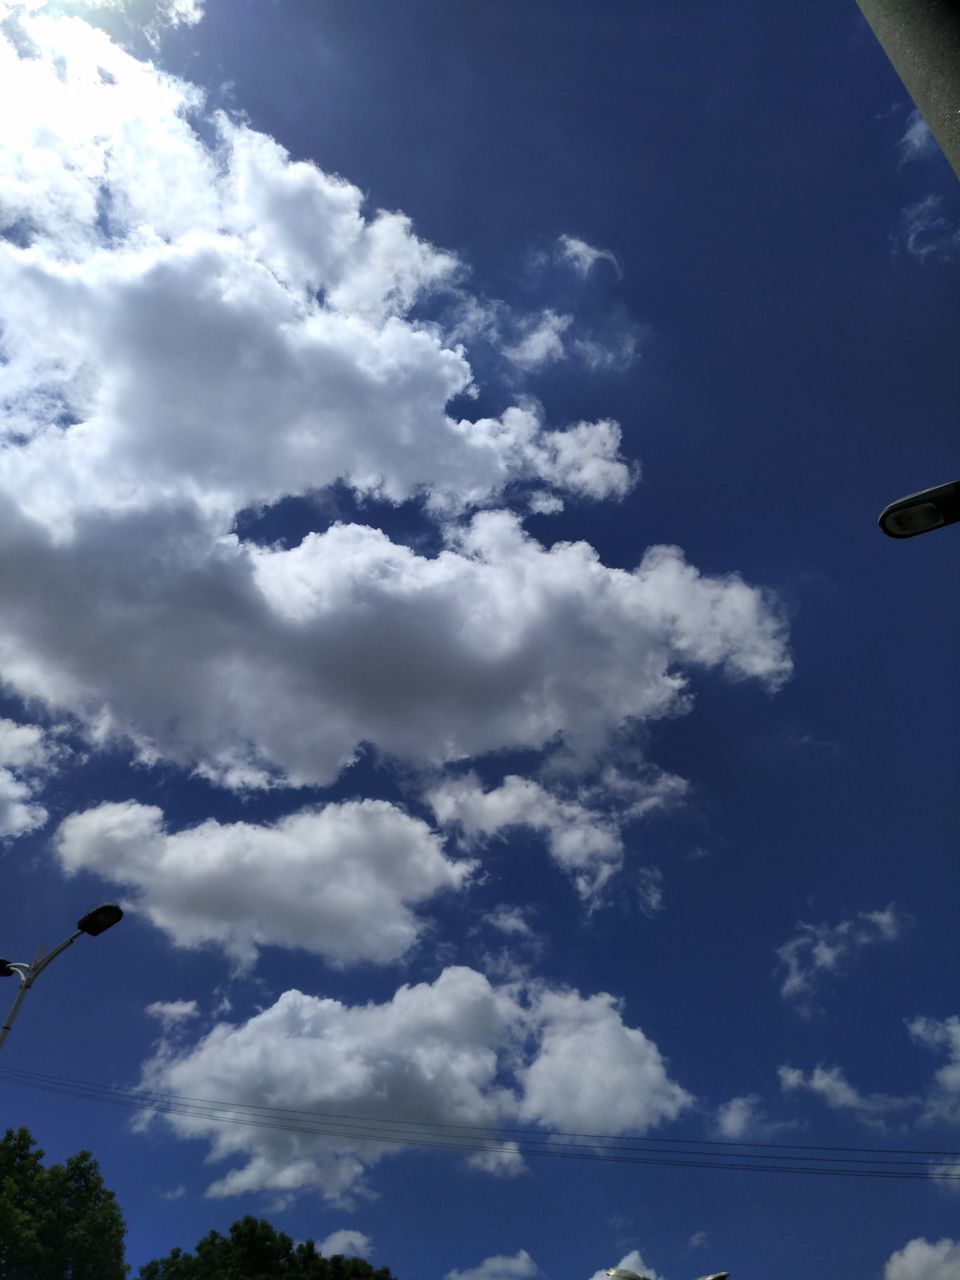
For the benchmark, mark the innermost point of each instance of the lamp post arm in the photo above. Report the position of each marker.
(41, 961)
(28, 974)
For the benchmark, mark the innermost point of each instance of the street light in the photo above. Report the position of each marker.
(95, 922)
(621, 1273)
(921, 512)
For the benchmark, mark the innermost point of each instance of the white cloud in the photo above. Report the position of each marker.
(615, 353)
(198, 293)
(152, 15)
(832, 1087)
(458, 1051)
(346, 1242)
(584, 842)
(698, 1240)
(509, 920)
(592, 1072)
(253, 660)
(342, 881)
(502, 1161)
(740, 1117)
(927, 233)
(648, 882)
(545, 504)
(918, 141)
(174, 1193)
(518, 1266)
(583, 257)
(632, 1261)
(942, 1103)
(745, 1119)
(26, 758)
(922, 1260)
(193, 318)
(182, 12)
(172, 1013)
(820, 950)
(541, 344)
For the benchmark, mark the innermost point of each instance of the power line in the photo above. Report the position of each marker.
(490, 1130)
(610, 1148)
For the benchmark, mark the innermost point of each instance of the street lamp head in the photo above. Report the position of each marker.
(716, 1275)
(923, 511)
(100, 919)
(5, 970)
(621, 1273)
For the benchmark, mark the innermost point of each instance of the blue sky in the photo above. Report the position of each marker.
(442, 602)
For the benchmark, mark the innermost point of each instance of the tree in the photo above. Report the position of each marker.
(255, 1251)
(58, 1222)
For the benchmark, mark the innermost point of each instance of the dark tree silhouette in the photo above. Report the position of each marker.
(254, 1250)
(57, 1222)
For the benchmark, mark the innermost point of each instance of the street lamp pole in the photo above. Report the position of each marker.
(93, 923)
(922, 40)
(621, 1273)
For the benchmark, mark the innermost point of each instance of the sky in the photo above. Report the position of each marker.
(441, 601)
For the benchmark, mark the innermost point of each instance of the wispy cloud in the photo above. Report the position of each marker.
(832, 1087)
(819, 952)
(917, 141)
(942, 1036)
(926, 233)
(172, 1013)
(583, 257)
(745, 1118)
(541, 343)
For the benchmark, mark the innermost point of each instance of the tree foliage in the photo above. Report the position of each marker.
(255, 1251)
(57, 1222)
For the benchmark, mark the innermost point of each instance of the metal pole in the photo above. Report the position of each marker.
(28, 974)
(922, 40)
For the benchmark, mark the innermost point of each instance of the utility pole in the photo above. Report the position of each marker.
(922, 40)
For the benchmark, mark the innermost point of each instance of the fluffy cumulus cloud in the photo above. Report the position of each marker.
(594, 1073)
(346, 1242)
(922, 1259)
(517, 1266)
(27, 755)
(342, 880)
(820, 951)
(235, 328)
(457, 1051)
